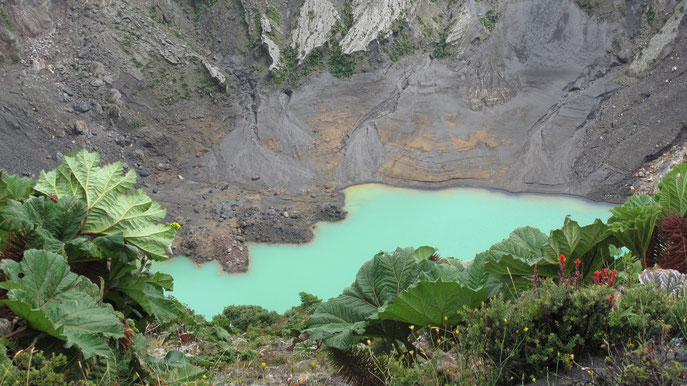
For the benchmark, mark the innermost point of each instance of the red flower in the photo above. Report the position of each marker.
(612, 299)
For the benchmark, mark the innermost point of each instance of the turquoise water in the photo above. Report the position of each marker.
(460, 222)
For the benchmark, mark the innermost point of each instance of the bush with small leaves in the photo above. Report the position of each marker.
(242, 317)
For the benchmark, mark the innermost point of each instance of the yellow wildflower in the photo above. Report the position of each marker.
(205, 376)
(534, 379)
(312, 364)
(175, 225)
(438, 340)
(445, 317)
(263, 365)
(411, 352)
(525, 329)
(590, 372)
(572, 357)
(411, 327)
(457, 331)
(505, 320)
(369, 341)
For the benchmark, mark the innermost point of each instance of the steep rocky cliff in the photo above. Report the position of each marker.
(246, 116)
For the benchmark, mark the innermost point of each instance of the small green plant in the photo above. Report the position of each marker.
(652, 364)
(641, 316)
(401, 44)
(241, 317)
(489, 20)
(650, 14)
(340, 65)
(441, 49)
(32, 367)
(272, 14)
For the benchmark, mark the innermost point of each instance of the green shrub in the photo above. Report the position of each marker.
(30, 367)
(677, 315)
(642, 315)
(309, 301)
(241, 317)
(401, 44)
(647, 365)
(489, 20)
(540, 330)
(340, 64)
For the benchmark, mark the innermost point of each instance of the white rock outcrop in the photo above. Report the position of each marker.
(272, 47)
(463, 20)
(373, 18)
(217, 75)
(660, 45)
(315, 22)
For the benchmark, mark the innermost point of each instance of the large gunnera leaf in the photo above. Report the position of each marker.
(55, 300)
(633, 224)
(589, 244)
(14, 187)
(44, 223)
(433, 303)
(508, 262)
(673, 190)
(525, 244)
(377, 284)
(110, 209)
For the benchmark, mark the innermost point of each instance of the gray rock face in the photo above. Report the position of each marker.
(315, 21)
(660, 45)
(272, 47)
(217, 75)
(371, 19)
(506, 120)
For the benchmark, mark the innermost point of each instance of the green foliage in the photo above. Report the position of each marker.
(441, 47)
(34, 368)
(83, 221)
(424, 253)
(401, 44)
(341, 65)
(673, 191)
(590, 244)
(633, 224)
(241, 317)
(512, 261)
(342, 320)
(176, 369)
(309, 301)
(540, 330)
(110, 210)
(489, 20)
(653, 364)
(291, 72)
(272, 14)
(5, 19)
(433, 303)
(54, 300)
(642, 315)
(14, 187)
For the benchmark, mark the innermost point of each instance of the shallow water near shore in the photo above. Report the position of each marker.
(460, 222)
